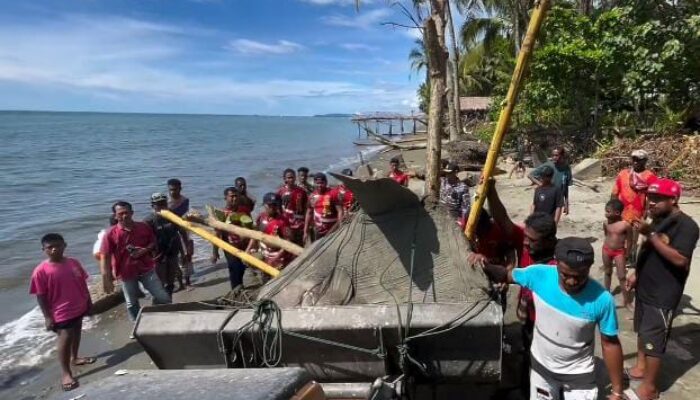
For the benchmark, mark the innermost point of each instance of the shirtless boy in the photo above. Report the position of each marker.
(618, 239)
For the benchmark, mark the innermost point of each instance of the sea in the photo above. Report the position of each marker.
(60, 172)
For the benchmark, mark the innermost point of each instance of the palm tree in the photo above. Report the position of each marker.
(491, 20)
(417, 57)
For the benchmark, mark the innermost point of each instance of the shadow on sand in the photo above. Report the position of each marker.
(114, 357)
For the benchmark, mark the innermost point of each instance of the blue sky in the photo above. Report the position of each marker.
(276, 57)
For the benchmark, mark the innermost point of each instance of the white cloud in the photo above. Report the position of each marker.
(358, 47)
(138, 62)
(361, 20)
(246, 46)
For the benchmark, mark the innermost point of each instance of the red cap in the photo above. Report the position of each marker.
(665, 187)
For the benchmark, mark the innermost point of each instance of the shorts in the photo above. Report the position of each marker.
(613, 253)
(653, 326)
(68, 324)
(542, 388)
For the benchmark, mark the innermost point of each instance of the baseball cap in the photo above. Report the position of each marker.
(451, 167)
(574, 252)
(639, 153)
(272, 198)
(665, 187)
(158, 197)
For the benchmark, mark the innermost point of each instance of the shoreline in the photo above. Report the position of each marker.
(107, 338)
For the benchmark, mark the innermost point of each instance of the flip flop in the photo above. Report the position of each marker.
(85, 361)
(67, 387)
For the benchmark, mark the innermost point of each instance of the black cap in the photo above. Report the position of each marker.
(346, 172)
(272, 199)
(451, 167)
(321, 176)
(574, 252)
(394, 160)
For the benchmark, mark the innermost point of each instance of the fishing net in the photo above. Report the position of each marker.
(393, 250)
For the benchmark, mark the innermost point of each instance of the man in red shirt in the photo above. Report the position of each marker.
(127, 255)
(303, 174)
(396, 174)
(344, 196)
(272, 222)
(294, 202)
(324, 213)
(237, 215)
(246, 202)
(62, 293)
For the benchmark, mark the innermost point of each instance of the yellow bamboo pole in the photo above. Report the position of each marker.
(506, 111)
(213, 239)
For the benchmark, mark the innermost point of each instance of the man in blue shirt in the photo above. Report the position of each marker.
(568, 305)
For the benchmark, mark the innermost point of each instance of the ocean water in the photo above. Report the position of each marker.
(60, 172)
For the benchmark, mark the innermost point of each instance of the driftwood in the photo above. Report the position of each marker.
(274, 241)
(399, 145)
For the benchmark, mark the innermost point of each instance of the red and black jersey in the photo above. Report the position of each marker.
(274, 226)
(324, 209)
(344, 197)
(294, 202)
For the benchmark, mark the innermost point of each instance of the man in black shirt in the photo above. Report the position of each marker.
(169, 243)
(548, 197)
(662, 270)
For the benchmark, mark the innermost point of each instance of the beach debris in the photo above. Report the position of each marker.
(588, 168)
(674, 156)
(121, 372)
(468, 155)
(78, 397)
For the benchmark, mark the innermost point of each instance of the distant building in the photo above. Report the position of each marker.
(474, 108)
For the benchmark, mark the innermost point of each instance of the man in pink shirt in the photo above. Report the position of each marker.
(59, 284)
(127, 250)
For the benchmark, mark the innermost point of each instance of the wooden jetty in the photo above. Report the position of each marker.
(417, 123)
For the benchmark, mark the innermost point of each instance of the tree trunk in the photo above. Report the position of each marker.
(437, 57)
(455, 116)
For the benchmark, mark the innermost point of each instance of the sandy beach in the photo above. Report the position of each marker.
(109, 340)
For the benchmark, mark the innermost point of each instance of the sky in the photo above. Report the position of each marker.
(271, 57)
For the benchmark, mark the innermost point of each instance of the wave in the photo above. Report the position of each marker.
(25, 342)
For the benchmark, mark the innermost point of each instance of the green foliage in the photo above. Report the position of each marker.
(636, 66)
(424, 96)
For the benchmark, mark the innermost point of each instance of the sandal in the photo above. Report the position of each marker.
(67, 387)
(84, 360)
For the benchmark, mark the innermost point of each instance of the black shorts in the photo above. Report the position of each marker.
(69, 324)
(653, 326)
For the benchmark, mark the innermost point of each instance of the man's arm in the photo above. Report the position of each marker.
(498, 210)
(629, 238)
(499, 273)
(557, 215)
(106, 272)
(612, 355)
(44, 306)
(534, 175)
(307, 223)
(339, 210)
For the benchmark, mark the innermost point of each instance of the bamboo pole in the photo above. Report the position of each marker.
(270, 240)
(507, 109)
(208, 236)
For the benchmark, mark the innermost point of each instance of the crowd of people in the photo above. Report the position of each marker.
(648, 242)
